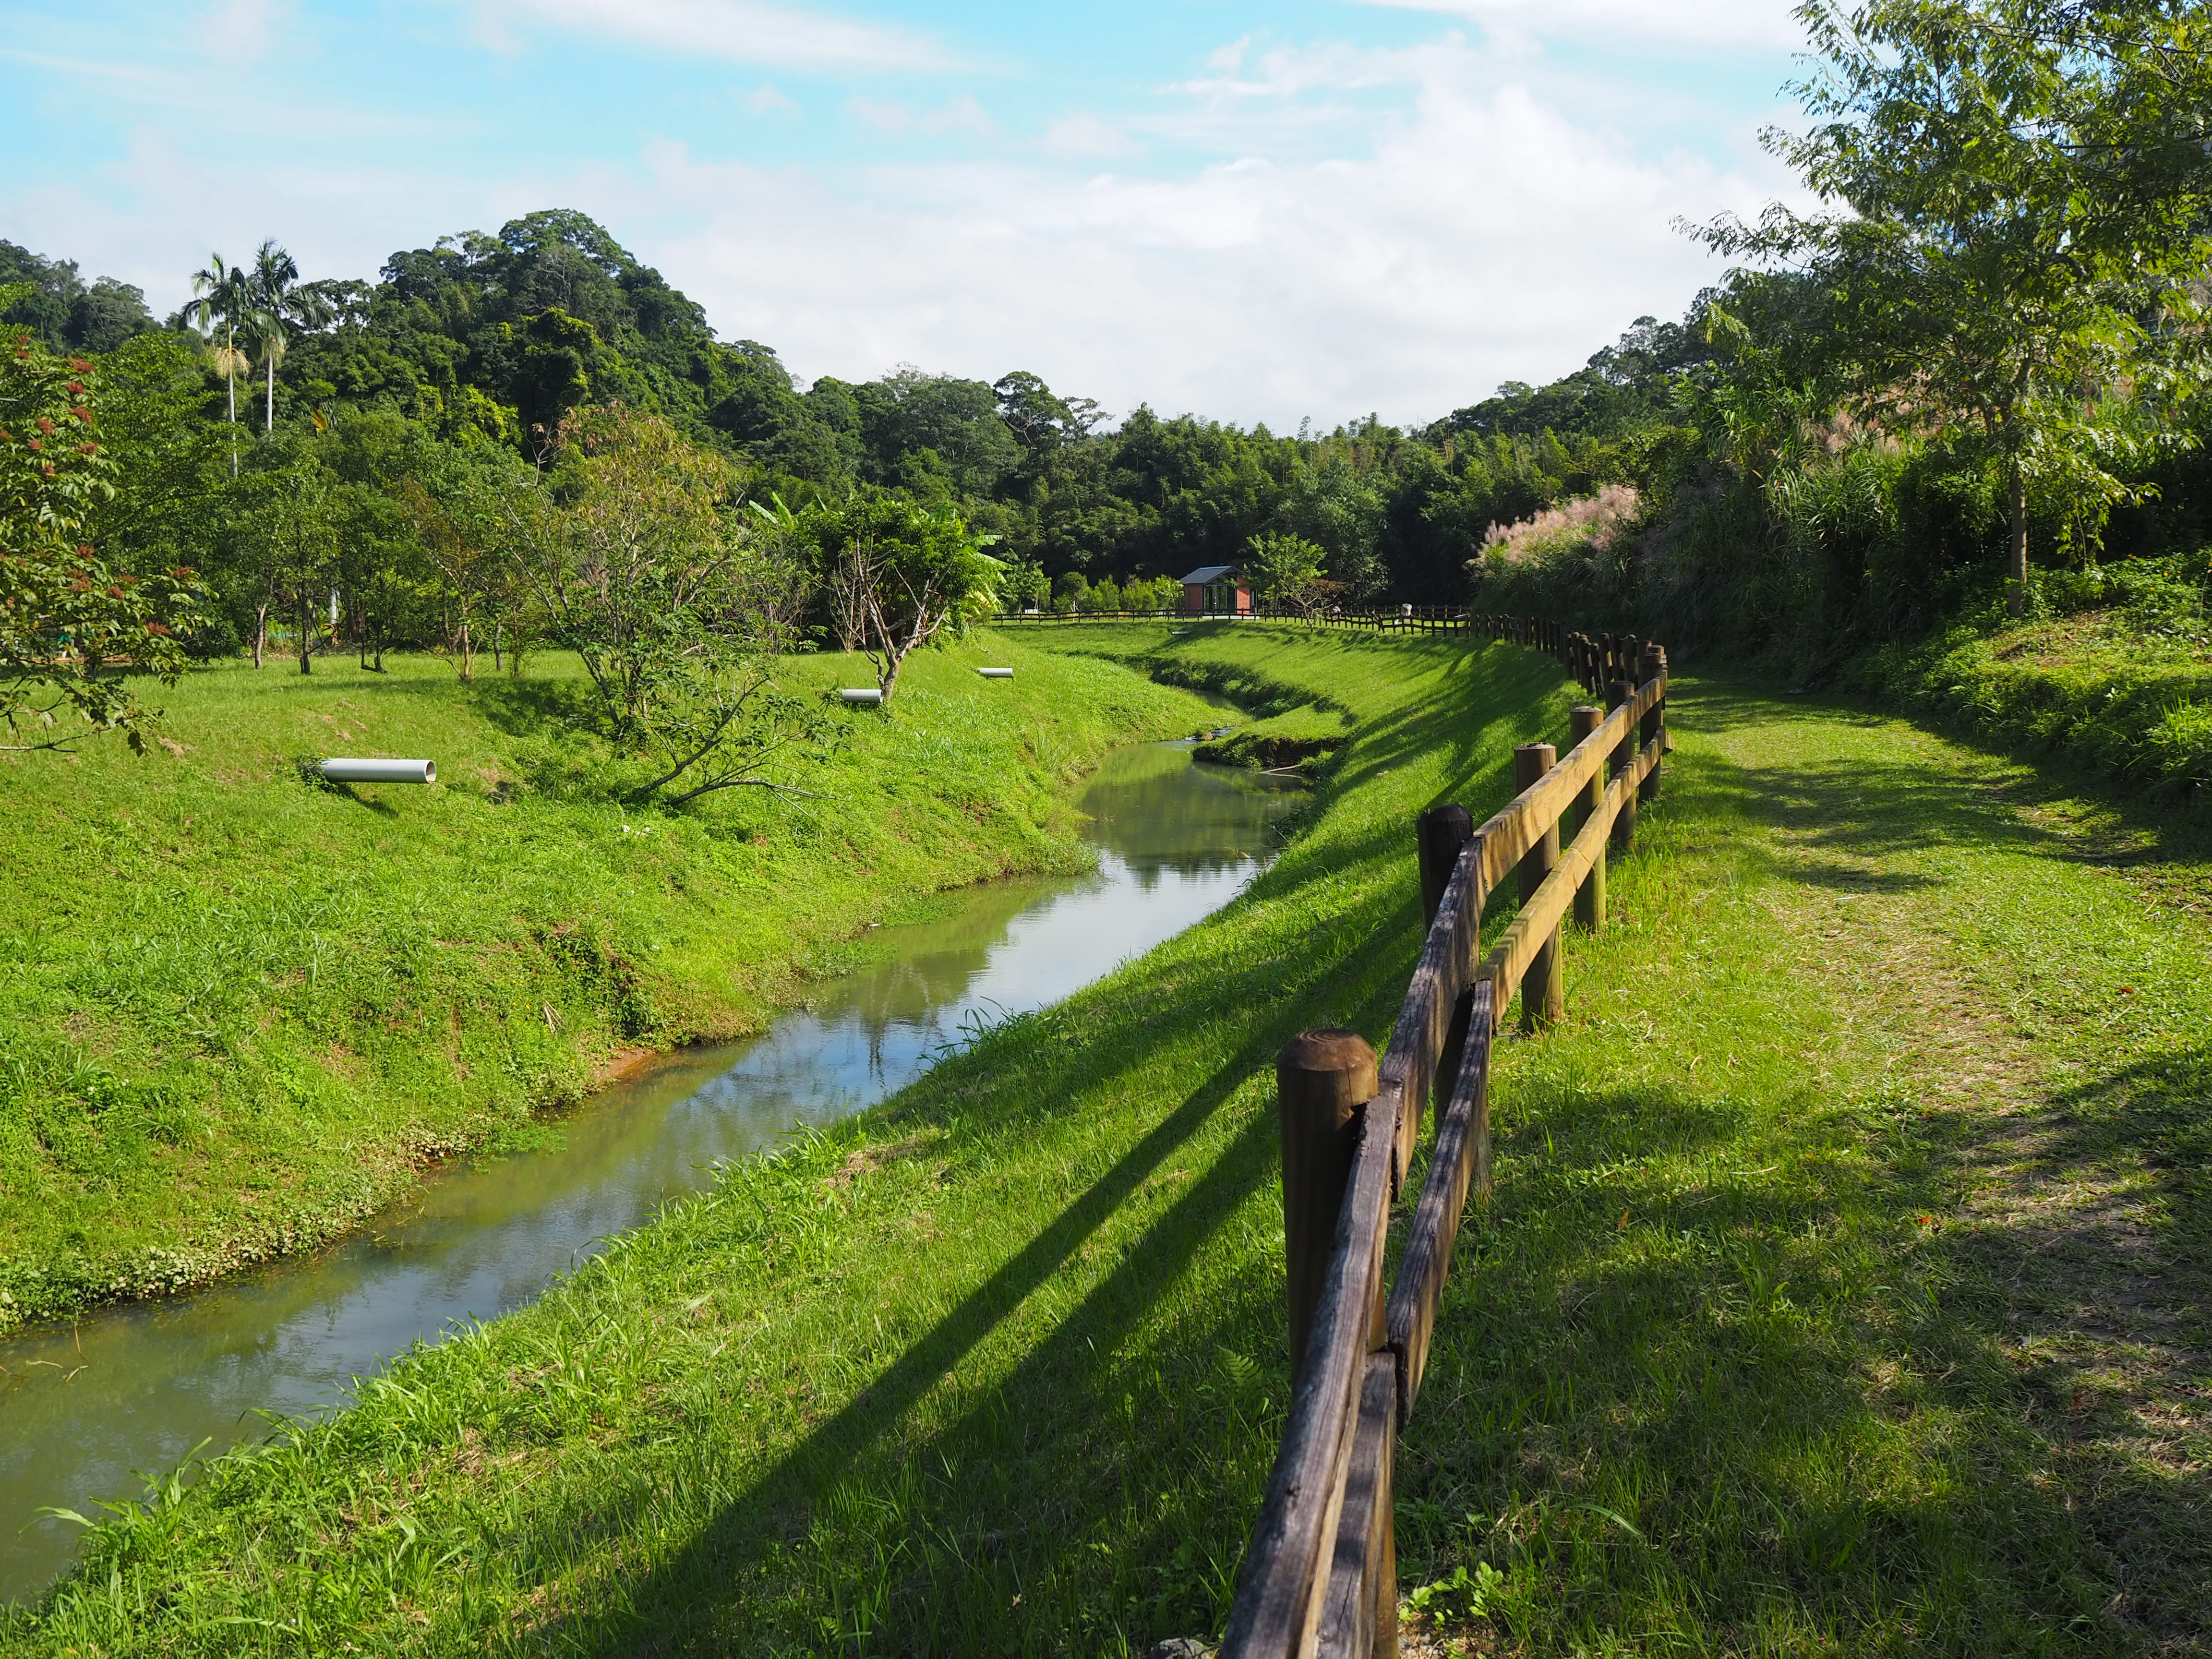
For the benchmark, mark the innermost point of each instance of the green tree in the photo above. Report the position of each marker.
(169, 482)
(64, 313)
(899, 575)
(2016, 193)
(1330, 505)
(288, 544)
(281, 303)
(69, 617)
(679, 608)
(1286, 570)
(223, 295)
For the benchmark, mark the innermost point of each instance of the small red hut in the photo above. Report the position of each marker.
(1217, 590)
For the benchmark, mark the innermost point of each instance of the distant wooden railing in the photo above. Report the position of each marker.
(1384, 619)
(1320, 1571)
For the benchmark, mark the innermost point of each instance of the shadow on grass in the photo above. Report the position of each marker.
(960, 1538)
(1011, 1478)
(2131, 827)
(2101, 1290)
(1692, 1377)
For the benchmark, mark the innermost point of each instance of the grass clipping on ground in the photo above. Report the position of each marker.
(1817, 1311)
(239, 1012)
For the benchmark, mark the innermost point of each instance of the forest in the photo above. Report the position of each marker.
(472, 352)
(1971, 384)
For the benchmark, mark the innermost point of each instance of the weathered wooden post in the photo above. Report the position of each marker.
(1624, 821)
(1543, 987)
(1439, 833)
(1653, 667)
(1589, 897)
(1322, 1081)
(1443, 833)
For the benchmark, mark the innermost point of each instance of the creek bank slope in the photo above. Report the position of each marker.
(994, 1367)
(240, 1013)
(1838, 1294)
(2120, 683)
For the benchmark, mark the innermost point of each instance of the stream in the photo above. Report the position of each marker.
(139, 1387)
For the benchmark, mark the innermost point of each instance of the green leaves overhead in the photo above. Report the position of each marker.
(2016, 196)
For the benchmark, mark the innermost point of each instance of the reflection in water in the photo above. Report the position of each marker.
(139, 1387)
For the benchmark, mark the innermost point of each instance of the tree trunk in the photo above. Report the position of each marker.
(260, 631)
(2016, 600)
(498, 635)
(268, 409)
(306, 634)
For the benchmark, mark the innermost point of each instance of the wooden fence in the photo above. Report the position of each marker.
(1320, 1572)
(1398, 619)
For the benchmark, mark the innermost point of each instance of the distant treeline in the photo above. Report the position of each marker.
(1975, 372)
(491, 340)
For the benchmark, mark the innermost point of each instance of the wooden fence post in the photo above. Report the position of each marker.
(1653, 667)
(1322, 1081)
(1439, 833)
(1589, 897)
(1623, 823)
(1543, 987)
(1443, 832)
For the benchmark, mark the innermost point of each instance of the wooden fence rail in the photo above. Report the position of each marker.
(1320, 1572)
(1596, 660)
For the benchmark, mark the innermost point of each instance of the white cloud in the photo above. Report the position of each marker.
(1087, 136)
(962, 114)
(240, 30)
(151, 217)
(1482, 236)
(740, 31)
(767, 100)
(1751, 25)
(1396, 231)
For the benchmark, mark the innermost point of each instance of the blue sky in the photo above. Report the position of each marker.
(1308, 209)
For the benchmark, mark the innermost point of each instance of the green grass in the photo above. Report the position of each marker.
(1304, 736)
(1841, 1292)
(237, 1013)
(2125, 691)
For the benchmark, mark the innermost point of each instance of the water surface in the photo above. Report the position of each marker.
(139, 1387)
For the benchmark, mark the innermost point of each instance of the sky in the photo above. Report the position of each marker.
(1302, 209)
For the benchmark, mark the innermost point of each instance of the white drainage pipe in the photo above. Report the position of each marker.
(381, 771)
(996, 673)
(867, 696)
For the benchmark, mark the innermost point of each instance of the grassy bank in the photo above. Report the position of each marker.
(1842, 1293)
(237, 1013)
(995, 1367)
(2118, 683)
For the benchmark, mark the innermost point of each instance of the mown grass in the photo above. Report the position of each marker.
(1841, 1291)
(1844, 1288)
(238, 1013)
(2125, 690)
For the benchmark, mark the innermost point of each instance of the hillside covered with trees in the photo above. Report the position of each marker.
(1969, 383)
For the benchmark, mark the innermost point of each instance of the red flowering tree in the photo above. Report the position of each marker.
(73, 631)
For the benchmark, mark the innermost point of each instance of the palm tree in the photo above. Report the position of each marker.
(223, 293)
(280, 302)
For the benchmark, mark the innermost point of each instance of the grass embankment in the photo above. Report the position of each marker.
(2123, 687)
(237, 1013)
(1843, 1291)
